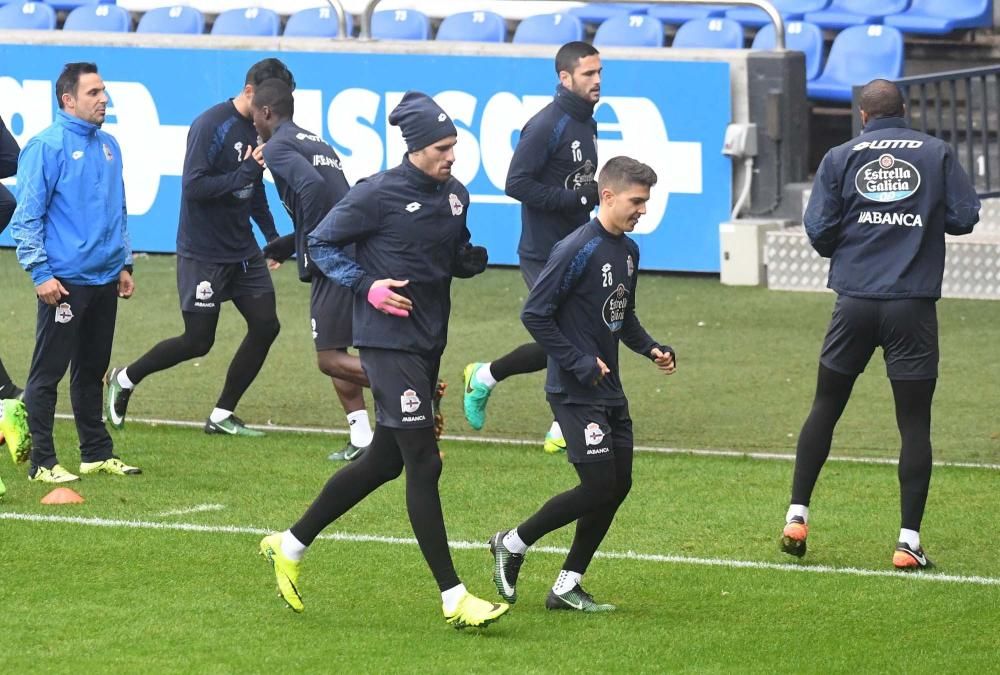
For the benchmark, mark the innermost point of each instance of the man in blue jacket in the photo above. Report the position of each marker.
(409, 228)
(581, 306)
(552, 174)
(218, 258)
(9, 151)
(70, 229)
(310, 180)
(880, 207)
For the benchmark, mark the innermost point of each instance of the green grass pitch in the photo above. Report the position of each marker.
(142, 581)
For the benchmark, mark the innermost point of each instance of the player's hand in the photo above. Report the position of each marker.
(590, 196)
(382, 298)
(273, 264)
(603, 367)
(664, 360)
(126, 285)
(258, 155)
(51, 292)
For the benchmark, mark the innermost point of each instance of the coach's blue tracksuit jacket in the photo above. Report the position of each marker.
(70, 220)
(581, 306)
(310, 181)
(406, 226)
(557, 153)
(880, 207)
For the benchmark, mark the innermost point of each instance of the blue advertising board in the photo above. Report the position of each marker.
(671, 115)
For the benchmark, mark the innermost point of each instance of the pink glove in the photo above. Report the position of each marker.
(379, 299)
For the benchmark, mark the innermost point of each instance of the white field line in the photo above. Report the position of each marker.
(470, 545)
(781, 456)
(198, 508)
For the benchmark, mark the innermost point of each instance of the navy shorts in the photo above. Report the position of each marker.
(331, 311)
(906, 330)
(203, 286)
(403, 386)
(531, 270)
(593, 431)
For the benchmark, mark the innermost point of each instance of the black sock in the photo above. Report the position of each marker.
(262, 329)
(913, 417)
(196, 340)
(380, 464)
(592, 527)
(528, 358)
(833, 389)
(7, 386)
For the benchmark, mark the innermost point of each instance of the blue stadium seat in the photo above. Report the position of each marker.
(799, 36)
(28, 16)
(790, 10)
(846, 13)
(256, 21)
(549, 29)
(859, 55)
(630, 30)
(178, 20)
(473, 27)
(317, 22)
(70, 5)
(943, 16)
(675, 15)
(715, 33)
(100, 18)
(400, 24)
(600, 12)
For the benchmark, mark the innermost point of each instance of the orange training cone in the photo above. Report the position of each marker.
(62, 496)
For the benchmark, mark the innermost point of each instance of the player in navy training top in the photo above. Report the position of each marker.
(310, 180)
(9, 151)
(409, 228)
(218, 258)
(581, 306)
(552, 174)
(880, 208)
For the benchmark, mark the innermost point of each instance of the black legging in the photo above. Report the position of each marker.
(198, 337)
(913, 417)
(6, 384)
(390, 452)
(592, 504)
(528, 358)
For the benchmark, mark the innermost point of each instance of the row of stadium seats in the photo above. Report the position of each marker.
(910, 16)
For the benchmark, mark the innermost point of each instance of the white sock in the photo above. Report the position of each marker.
(361, 430)
(555, 430)
(123, 379)
(513, 543)
(797, 510)
(451, 598)
(910, 537)
(566, 581)
(484, 376)
(218, 414)
(292, 547)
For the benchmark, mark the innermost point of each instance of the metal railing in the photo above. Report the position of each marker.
(771, 10)
(962, 108)
(338, 9)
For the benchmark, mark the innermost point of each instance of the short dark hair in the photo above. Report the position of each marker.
(882, 98)
(69, 78)
(570, 54)
(621, 172)
(269, 69)
(276, 95)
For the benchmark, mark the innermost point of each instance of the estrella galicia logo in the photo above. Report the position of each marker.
(614, 308)
(887, 179)
(581, 175)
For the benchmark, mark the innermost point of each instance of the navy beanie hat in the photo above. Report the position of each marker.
(421, 120)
